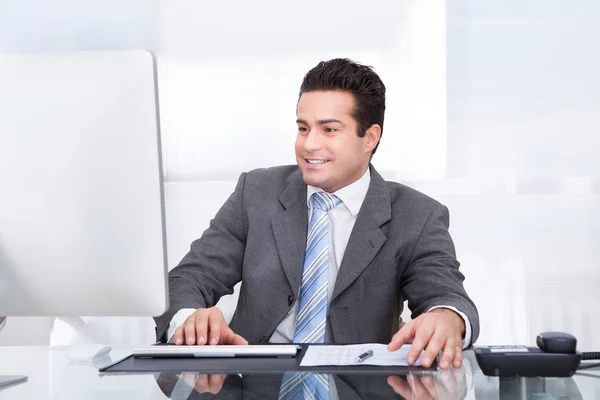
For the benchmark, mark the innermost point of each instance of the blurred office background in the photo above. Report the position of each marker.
(493, 109)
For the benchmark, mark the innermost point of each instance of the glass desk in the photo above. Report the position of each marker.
(52, 375)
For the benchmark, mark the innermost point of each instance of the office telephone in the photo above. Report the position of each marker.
(556, 355)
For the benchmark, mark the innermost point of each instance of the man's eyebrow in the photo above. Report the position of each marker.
(321, 121)
(329, 121)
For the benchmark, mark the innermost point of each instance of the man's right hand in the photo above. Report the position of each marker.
(206, 326)
(203, 383)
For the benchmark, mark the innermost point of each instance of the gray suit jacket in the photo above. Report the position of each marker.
(399, 249)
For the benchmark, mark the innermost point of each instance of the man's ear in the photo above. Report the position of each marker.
(372, 136)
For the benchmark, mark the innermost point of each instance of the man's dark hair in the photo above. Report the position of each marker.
(365, 85)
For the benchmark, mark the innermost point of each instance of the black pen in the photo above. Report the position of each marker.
(364, 356)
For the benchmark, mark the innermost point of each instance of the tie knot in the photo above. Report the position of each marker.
(325, 201)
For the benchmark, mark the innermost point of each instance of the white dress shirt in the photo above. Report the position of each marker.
(341, 221)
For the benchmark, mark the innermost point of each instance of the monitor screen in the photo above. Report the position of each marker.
(81, 204)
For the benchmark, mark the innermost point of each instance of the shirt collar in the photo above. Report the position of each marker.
(352, 196)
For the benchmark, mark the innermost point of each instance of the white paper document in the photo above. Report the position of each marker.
(347, 355)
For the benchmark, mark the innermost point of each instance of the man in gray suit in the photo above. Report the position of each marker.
(387, 242)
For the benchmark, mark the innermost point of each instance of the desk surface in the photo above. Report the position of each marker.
(53, 376)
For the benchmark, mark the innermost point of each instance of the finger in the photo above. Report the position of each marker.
(189, 379)
(239, 340)
(228, 336)
(406, 333)
(201, 326)
(422, 338)
(179, 335)
(400, 387)
(419, 391)
(458, 374)
(447, 382)
(458, 358)
(215, 383)
(429, 384)
(448, 353)
(434, 345)
(459, 379)
(202, 383)
(215, 323)
(189, 328)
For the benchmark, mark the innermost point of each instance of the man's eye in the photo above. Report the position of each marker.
(302, 129)
(330, 130)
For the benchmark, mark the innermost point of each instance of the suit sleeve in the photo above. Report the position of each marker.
(213, 266)
(432, 277)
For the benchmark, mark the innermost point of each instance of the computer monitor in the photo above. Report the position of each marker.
(81, 205)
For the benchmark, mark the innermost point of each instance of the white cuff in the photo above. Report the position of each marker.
(467, 340)
(178, 320)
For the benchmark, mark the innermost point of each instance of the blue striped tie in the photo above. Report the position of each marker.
(312, 313)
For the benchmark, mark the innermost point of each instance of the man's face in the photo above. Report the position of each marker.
(329, 151)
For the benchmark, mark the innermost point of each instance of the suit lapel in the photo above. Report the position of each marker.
(367, 238)
(290, 227)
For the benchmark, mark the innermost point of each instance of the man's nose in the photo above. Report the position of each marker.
(313, 141)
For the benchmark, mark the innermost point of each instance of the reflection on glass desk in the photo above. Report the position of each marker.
(450, 385)
(53, 376)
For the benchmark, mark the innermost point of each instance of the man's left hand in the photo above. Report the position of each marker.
(439, 330)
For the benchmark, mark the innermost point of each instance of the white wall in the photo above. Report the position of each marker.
(523, 176)
(493, 108)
